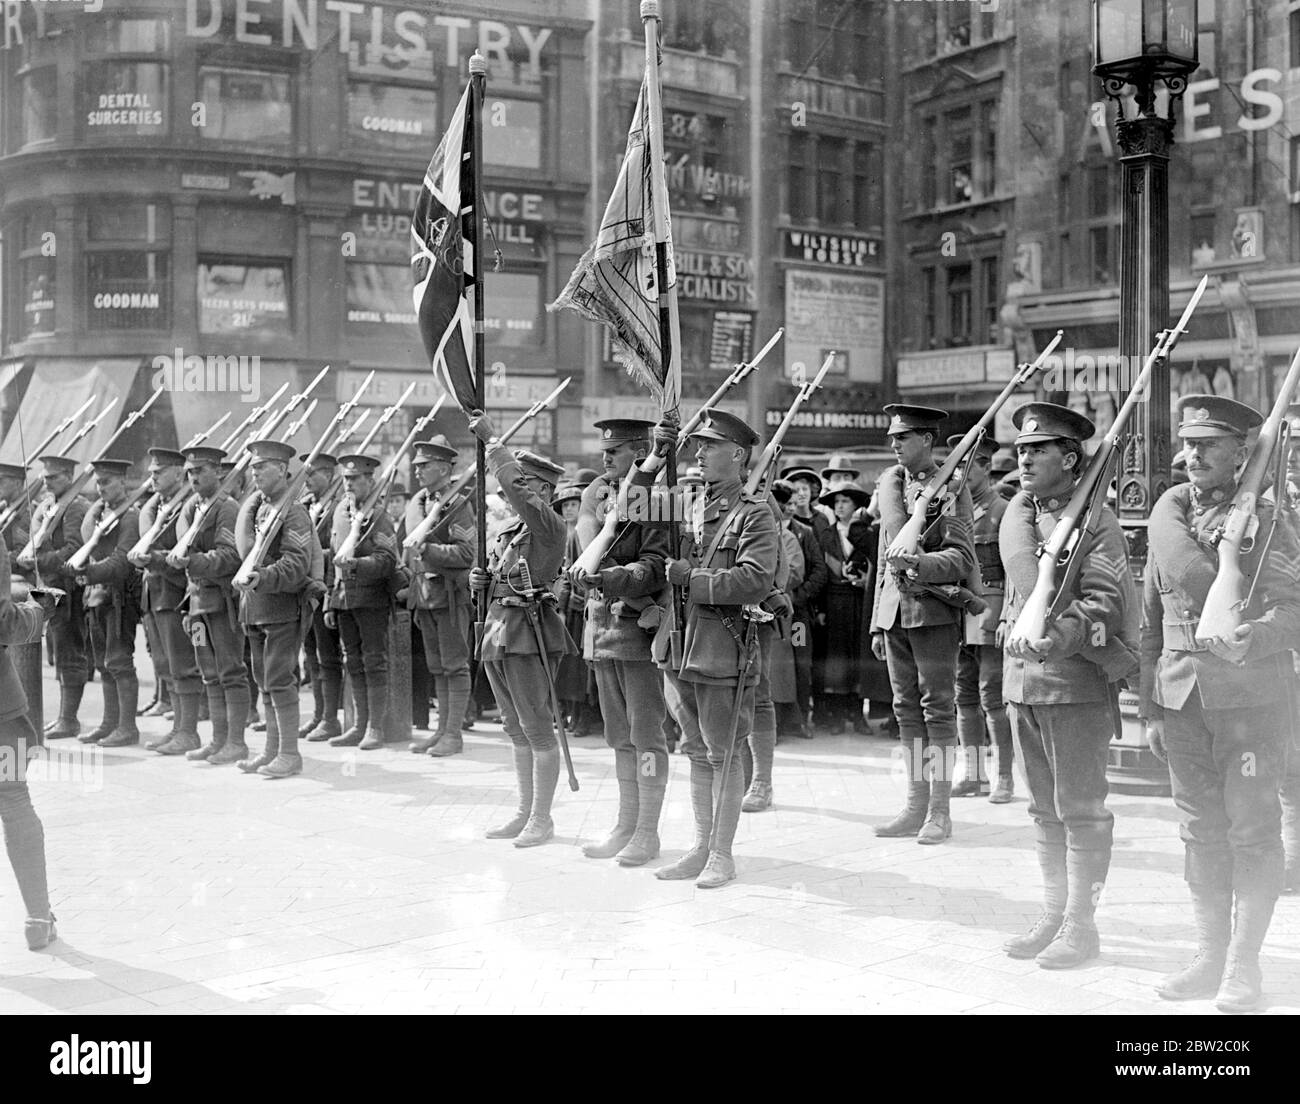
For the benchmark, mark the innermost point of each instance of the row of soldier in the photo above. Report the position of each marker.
(706, 660)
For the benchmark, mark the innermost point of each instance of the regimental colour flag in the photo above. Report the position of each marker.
(615, 282)
(442, 260)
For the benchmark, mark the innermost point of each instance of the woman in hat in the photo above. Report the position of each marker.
(846, 549)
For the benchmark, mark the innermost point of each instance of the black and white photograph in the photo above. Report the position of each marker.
(651, 508)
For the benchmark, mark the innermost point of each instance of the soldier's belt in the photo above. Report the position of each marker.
(1180, 636)
(520, 601)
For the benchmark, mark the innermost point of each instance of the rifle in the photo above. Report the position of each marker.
(451, 504)
(268, 533)
(53, 518)
(738, 373)
(908, 540)
(108, 520)
(379, 494)
(187, 539)
(759, 471)
(326, 501)
(1224, 604)
(257, 414)
(1060, 560)
(8, 511)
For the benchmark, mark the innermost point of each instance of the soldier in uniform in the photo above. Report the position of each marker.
(1062, 688)
(981, 714)
(361, 602)
(13, 481)
(621, 602)
(321, 648)
(163, 605)
(212, 621)
(1291, 786)
(732, 564)
(67, 628)
(438, 594)
(1213, 708)
(272, 605)
(20, 623)
(110, 597)
(914, 630)
(524, 635)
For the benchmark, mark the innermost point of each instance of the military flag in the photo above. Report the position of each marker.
(443, 263)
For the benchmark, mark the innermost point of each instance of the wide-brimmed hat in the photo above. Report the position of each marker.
(565, 492)
(840, 466)
(861, 498)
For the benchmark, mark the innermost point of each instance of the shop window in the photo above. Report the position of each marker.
(798, 188)
(124, 98)
(245, 105)
(244, 298)
(33, 235)
(512, 133)
(128, 290)
(990, 298)
(1202, 239)
(36, 119)
(126, 35)
(929, 286)
(868, 197)
(380, 295)
(1100, 240)
(391, 116)
(987, 176)
(959, 305)
(833, 204)
(961, 184)
(513, 309)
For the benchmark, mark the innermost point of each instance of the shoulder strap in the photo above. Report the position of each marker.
(732, 515)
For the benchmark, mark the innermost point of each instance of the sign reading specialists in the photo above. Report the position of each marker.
(715, 278)
(839, 250)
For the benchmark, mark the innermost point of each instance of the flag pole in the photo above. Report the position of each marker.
(478, 79)
(669, 326)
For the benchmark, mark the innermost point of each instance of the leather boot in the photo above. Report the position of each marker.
(272, 748)
(235, 750)
(69, 702)
(628, 801)
(459, 697)
(546, 775)
(692, 864)
(421, 747)
(1242, 987)
(1212, 907)
(1077, 942)
(287, 761)
(938, 824)
(975, 781)
(523, 755)
(187, 725)
(155, 742)
(108, 725)
(39, 933)
(128, 696)
(909, 821)
(360, 714)
(377, 702)
(327, 727)
(317, 703)
(220, 726)
(1000, 727)
(651, 785)
(1053, 869)
(721, 868)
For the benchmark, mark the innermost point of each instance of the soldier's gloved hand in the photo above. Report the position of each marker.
(679, 572)
(138, 559)
(331, 619)
(402, 595)
(479, 580)
(344, 562)
(878, 646)
(482, 427)
(778, 604)
(1153, 731)
(248, 584)
(665, 438)
(1000, 636)
(180, 563)
(1024, 648)
(47, 601)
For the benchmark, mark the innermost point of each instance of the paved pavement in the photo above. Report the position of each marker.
(365, 885)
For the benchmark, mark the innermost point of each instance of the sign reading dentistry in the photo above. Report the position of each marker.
(399, 37)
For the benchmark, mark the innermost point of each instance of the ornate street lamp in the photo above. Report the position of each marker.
(1139, 45)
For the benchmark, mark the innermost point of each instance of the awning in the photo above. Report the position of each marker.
(58, 386)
